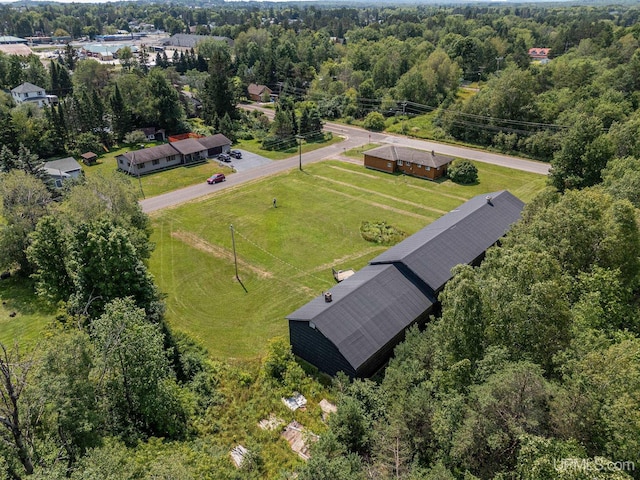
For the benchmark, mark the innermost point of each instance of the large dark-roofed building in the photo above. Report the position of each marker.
(355, 327)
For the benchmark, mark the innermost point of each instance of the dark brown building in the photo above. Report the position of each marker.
(355, 327)
(419, 163)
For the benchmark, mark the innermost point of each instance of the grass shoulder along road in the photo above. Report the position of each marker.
(285, 254)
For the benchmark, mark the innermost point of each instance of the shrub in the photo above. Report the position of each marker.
(463, 172)
(86, 142)
(381, 233)
(374, 121)
(137, 136)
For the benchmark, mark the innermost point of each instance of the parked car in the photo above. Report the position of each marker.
(224, 157)
(216, 178)
(235, 153)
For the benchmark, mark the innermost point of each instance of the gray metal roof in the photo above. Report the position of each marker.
(394, 153)
(11, 39)
(148, 154)
(188, 145)
(458, 237)
(64, 165)
(213, 141)
(187, 40)
(27, 87)
(368, 310)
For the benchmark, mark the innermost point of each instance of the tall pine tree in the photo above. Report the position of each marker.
(120, 115)
(218, 98)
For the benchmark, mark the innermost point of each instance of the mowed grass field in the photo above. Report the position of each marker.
(23, 316)
(285, 254)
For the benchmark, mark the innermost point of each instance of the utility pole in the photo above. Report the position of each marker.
(235, 258)
(133, 165)
(300, 138)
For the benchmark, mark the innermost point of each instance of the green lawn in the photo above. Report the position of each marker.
(285, 254)
(31, 314)
(357, 152)
(160, 182)
(255, 146)
(183, 176)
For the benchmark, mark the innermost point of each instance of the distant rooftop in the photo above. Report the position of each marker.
(10, 39)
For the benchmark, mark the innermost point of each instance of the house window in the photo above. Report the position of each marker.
(389, 165)
(418, 165)
(120, 161)
(428, 168)
(156, 162)
(399, 163)
(141, 165)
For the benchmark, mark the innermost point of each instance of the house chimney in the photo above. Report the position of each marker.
(327, 297)
(433, 153)
(488, 198)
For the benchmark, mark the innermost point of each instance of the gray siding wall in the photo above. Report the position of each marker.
(309, 344)
(149, 166)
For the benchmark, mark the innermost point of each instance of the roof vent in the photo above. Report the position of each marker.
(327, 297)
(488, 198)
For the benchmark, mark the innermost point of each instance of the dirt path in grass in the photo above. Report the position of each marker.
(378, 205)
(430, 190)
(218, 252)
(383, 195)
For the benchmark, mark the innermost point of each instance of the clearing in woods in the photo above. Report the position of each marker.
(285, 254)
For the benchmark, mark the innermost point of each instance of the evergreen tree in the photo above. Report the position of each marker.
(182, 64)
(64, 81)
(226, 127)
(8, 132)
(8, 160)
(120, 115)
(167, 108)
(218, 98)
(31, 164)
(15, 74)
(70, 57)
(54, 78)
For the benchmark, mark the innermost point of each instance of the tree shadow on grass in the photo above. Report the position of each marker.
(18, 295)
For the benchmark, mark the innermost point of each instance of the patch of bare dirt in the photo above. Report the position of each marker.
(217, 251)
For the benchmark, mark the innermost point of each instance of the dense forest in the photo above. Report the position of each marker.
(532, 371)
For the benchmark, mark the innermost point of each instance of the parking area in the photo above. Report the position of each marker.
(249, 161)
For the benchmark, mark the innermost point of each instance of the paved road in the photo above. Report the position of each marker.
(354, 137)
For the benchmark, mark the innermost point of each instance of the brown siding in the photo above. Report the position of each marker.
(379, 164)
(422, 171)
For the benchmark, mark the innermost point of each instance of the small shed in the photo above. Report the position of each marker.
(153, 133)
(89, 158)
